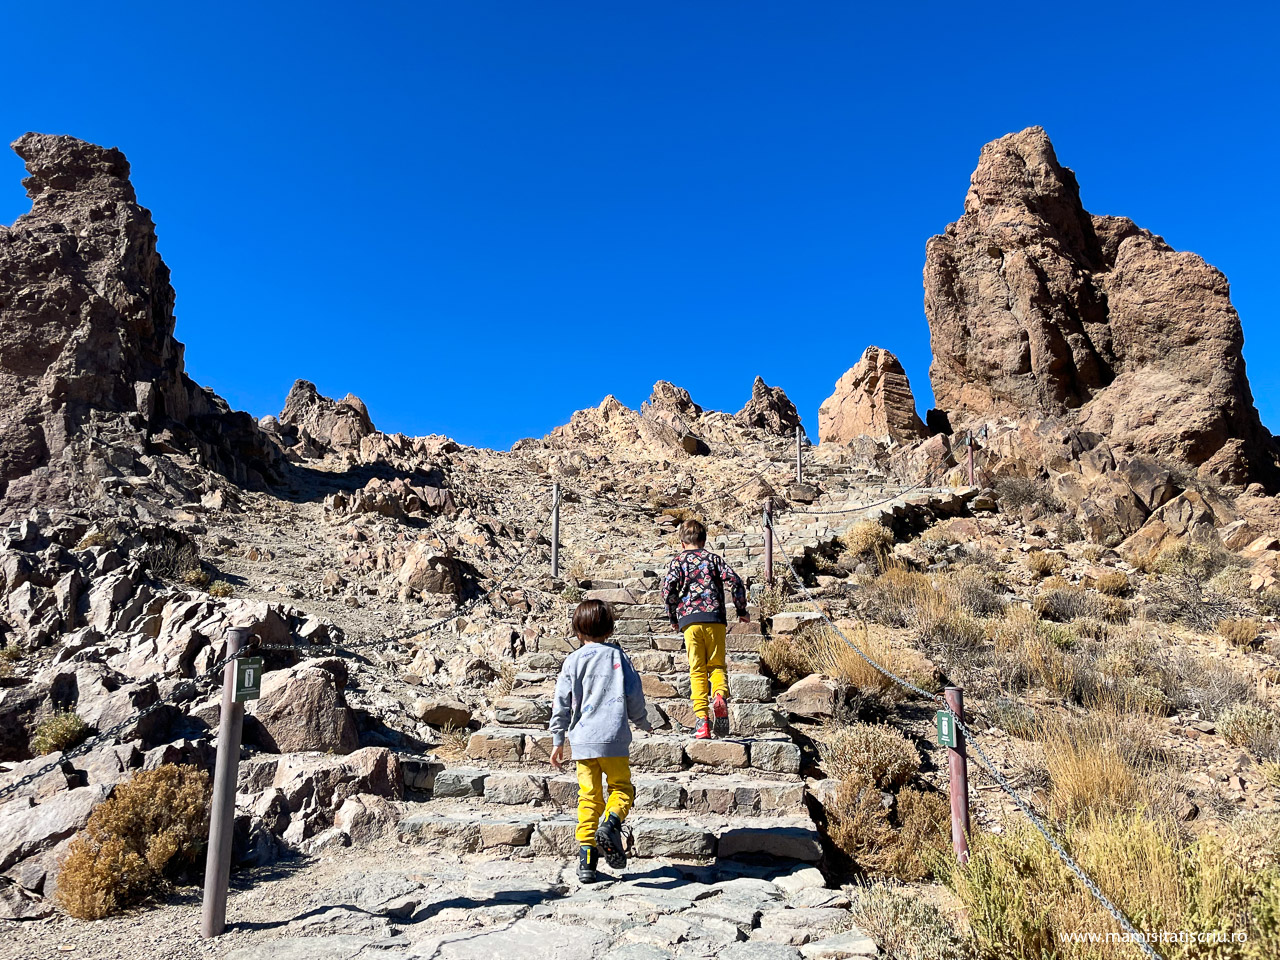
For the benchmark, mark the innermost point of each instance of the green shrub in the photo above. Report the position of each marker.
(222, 589)
(153, 824)
(62, 731)
(872, 753)
(572, 593)
(1256, 728)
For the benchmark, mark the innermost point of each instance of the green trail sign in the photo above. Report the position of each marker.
(946, 729)
(248, 679)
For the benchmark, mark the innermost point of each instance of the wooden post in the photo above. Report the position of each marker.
(799, 459)
(555, 530)
(217, 869)
(958, 774)
(768, 542)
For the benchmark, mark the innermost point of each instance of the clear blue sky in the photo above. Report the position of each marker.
(481, 216)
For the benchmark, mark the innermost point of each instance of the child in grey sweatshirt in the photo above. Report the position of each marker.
(597, 693)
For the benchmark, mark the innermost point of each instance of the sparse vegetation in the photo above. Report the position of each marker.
(1240, 633)
(196, 577)
(1042, 564)
(903, 925)
(909, 840)
(1207, 685)
(1014, 493)
(1024, 904)
(1114, 583)
(1252, 727)
(866, 542)
(105, 535)
(773, 598)
(453, 742)
(172, 558)
(61, 731)
(221, 589)
(153, 824)
(868, 753)
(572, 593)
(821, 650)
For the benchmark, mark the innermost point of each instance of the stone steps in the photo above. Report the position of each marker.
(524, 747)
(500, 791)
(462, 828)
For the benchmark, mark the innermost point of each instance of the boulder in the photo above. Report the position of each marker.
(442, 711)
(331, 425)
(872, 399)
(1037, 307)
(426, 570)
(33, 837)
(816, 697)
(302, 708)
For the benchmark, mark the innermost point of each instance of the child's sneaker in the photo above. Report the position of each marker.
(720, 710)
(609, 839)
(702, 729)
(587, 859)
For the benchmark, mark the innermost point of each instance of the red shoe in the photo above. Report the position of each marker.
(702, 729)
(720, 710)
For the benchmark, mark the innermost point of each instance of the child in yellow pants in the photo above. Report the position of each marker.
(597, 693)
(694, 594)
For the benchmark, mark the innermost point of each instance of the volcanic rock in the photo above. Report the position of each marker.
(1036, 306)
(336, 425)
(872, 399)
(770, 409)
(90, 372)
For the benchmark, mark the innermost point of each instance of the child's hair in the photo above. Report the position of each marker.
(691, 531)
(593, 619)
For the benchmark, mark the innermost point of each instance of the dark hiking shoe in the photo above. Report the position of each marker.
(587, 859)
(720, 710)
(609, 840)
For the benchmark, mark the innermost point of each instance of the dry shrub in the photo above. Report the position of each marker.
(867, 541)
(61, 731)
(1253, 727)
(822, 650)
(1271, 773)
(1129, 695)
(222, 589)
(1240, 633)
(1044, 564)
(773, 598)
(106, 535)
(1029, 652)
(891, 597)
(453, 742)
(1268, 602)
(154, 823)
(1114, 583)
(868, 753)
(903, 925)
(1065, 603)
(1091, 767)
(572, 593)
(1193, 558)
(1207, 686)
(909, 841)
(171, 557)
(973, 591)
(1024, 904)
(1014, 493)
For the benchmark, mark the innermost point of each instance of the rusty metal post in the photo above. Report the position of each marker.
(555, 530)
(799, 459)
(768, 541)
(971, 458)
(217, 869)
(958, 775)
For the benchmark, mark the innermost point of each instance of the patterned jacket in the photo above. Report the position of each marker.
(694, 589)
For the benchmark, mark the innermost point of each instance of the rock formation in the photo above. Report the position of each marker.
(872, 399)
(324, 424)
(1036, 306)
(770, 409)
(91, 377)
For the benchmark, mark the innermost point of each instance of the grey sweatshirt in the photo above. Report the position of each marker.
(597, 692)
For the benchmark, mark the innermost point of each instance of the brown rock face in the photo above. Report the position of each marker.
(328, 424)
(770, 409)
(872, 399)
(87, 354)
(1036, 306)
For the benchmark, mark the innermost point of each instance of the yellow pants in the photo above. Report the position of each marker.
(704, 642)
(591, 802)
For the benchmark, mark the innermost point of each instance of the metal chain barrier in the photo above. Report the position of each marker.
(985, 760)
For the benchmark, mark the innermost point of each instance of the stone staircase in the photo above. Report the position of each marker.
(695, 799)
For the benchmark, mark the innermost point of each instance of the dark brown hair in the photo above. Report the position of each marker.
(593, 619)
(691, 531)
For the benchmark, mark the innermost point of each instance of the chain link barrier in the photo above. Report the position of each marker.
(970, 740)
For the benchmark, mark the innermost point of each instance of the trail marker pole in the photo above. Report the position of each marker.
(799, 459)
(768, 542)
(952, 738)
(555, 530)
(238, 684)
(971, 458)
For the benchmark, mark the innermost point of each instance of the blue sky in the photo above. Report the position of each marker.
(481, 216)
